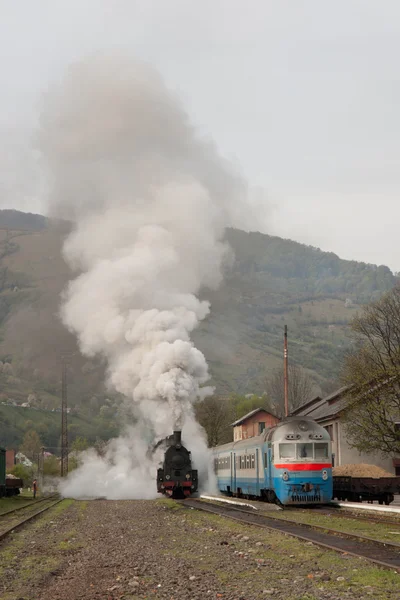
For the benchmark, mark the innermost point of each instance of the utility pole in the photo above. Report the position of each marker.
(64, 423)
(285, 372)
(41, 470)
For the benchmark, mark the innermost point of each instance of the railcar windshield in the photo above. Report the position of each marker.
(287, 450)
(321, 450)
(304, 451)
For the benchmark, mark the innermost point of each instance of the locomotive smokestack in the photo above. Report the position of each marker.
(177, 438)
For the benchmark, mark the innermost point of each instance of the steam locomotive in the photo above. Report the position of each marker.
(176, 478)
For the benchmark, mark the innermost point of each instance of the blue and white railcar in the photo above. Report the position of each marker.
(288, 464)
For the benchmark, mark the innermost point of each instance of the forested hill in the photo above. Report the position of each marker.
(14, 219)
(301, 271)
(273, 281)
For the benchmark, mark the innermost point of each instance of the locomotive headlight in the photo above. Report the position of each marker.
(187, 475)
(168, 477)
(324, 474)
(285, 476)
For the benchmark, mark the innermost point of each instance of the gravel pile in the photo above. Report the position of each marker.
(361, 470)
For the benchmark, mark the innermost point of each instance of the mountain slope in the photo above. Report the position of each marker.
(272, 282)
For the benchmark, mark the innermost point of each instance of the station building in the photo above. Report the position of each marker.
(327, 412)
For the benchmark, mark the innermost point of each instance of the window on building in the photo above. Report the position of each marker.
(261, 427)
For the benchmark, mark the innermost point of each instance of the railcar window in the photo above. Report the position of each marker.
(320, 450)
(304, 451)
(287, 450)
(265, 460)
(248, 462)
(253, 461)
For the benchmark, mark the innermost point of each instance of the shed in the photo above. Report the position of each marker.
(253, 424)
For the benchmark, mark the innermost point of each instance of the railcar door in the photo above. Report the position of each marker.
(257, 474)
(231, 460)
(234, 472)
(270, 459)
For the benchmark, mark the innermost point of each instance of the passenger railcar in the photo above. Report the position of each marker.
(176, 478)
(288, 464)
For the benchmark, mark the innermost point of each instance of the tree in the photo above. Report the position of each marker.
(215, 415)
(31, 444)
(372, 370)
(24, 472)
(79, 444)
(51, 466)
(244, 404)
(300, 387)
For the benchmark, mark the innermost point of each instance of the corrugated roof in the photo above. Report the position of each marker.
(306, 405)
(327, 407)
(250, 414)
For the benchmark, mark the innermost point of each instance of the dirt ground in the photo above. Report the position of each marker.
(132, 550)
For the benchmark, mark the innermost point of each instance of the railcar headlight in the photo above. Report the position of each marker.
(324, 474)
(168, 477)
(187, 475)
(285, 476)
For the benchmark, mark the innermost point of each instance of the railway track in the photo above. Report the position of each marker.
(26, 506)
(385, 554)
(16, 521)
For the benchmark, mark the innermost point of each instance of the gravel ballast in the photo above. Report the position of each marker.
(131, 550)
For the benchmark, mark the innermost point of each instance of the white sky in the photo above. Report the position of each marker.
(302, 94)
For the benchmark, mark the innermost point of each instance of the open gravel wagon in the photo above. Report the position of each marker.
(357, 489)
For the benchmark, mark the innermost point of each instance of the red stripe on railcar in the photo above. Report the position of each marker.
(304, 466)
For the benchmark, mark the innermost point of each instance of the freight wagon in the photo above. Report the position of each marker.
(9, 486)
(357, 489)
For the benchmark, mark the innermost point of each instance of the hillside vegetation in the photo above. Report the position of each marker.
(272, 282)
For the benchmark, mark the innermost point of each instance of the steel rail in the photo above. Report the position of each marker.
(18, 525)
(28, 505)
(384, 554)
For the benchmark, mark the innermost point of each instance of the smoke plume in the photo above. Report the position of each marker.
(150, 200)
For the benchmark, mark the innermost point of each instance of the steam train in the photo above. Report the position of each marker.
(288, 464)
(176, 478)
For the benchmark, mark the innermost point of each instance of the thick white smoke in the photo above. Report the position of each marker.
(150, 201)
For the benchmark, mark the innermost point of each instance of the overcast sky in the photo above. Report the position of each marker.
(304, 95)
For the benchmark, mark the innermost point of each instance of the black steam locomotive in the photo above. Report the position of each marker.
(176, 478)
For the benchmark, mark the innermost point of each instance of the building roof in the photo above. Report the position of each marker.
(319, 409)
(250, 414)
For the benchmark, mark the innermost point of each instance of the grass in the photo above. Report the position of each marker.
(7, 504)
(378, 531)
(169, 504)
(30, 568)
(281, 555)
